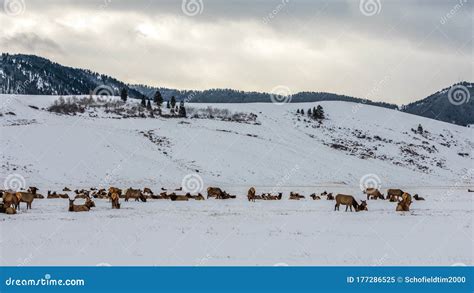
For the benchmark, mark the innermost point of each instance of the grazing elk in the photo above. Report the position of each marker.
(373, 193)
(329, 196)
(251, 194)
(66, 189)
(394, 195)
(214, 192)
(404, 204)
(349, 201)
(134, 193)
(417, 197)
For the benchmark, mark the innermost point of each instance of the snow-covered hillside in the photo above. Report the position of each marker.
(52, 150)
(281, 151)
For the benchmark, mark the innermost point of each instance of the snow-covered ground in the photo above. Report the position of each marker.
(281, 153)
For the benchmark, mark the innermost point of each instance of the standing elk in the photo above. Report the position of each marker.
(134, 193)
(251, 194)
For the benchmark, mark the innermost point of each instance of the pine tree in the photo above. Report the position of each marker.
(302, 111)
(148, 105)
(168, 104)
(158, 99)
(297, 111)
(173, 102)
(124, 95)
(143, 102)
(182, 110)
(319, 113)
(420, 129)
(309, 112)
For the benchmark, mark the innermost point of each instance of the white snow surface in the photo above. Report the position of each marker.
(282, 153)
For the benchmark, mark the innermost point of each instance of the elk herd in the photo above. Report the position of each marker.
(11, 200)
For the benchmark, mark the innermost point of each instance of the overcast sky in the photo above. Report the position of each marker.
(395, 51)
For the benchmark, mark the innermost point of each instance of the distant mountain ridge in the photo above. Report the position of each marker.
(33, 75)
(236, 96)
(454, 104)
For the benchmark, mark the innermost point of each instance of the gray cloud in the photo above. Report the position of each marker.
(405, 52)
(29, 42)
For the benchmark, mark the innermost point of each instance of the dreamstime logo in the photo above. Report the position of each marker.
(280, 95)
(275, 11)
(192, 7)
(14, 182)
(14, 7)
(103, 90)
(103, 264)
(192, 183)
(458, 95)
(281, 264)
(444, 19)
(370, 7)
(370, 181)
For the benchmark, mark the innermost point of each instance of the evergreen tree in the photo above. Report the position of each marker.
(297, 111)
(319, 113)
(309, 112)
(168, 104)
(182, 109)
(124, 95)
(173, 102)
(158, 99)
(420, 129)
(143, 102)
(302, 111)
(148, 105)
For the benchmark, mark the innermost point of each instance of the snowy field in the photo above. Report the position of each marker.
(281, 153)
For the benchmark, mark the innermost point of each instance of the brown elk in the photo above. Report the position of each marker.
(11, 199)
(115, 200)
(315, 197)
(347, 200)
(296, 196)
(373, 193)
(329, 196)
(394, 195)
(214, 192)
(273, 197)
(26, 197)
(134, 193)
(404, 204)
(114, 190)
(417, 197)
(81, 208)
(195, 197)
(251, 194)
(7, 210)
(147, 191)
(175, 197)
